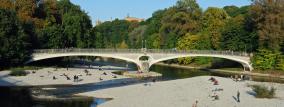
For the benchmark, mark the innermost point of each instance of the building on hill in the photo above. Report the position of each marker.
(133, 19)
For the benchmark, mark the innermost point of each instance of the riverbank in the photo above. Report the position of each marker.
(184, 93)
(64, 76)
(224, 71)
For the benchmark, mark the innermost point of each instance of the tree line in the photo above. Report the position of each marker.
(41, 24)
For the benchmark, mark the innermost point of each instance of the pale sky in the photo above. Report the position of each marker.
(106, 9)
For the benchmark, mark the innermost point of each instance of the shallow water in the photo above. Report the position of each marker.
(170, 73)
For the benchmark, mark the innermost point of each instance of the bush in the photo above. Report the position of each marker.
(18, 72)
(263, 91)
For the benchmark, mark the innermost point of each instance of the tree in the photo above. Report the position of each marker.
(136, 36)
(188, 5)
(268, 15)
(192, 42)
(280, 62)
(76, 24)
(213, 20)
(51, 37)
(111, 33)
(234, 11)
(25, 10)
(235, 36)
(13, 41)
(7, 4)
(264, 59)
(123, 45)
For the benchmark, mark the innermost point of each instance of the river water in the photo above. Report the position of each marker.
(21, 97)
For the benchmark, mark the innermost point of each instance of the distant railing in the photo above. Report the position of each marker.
(166, 51)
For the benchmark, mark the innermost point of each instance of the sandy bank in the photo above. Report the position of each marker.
(184, 92)
(45, 77)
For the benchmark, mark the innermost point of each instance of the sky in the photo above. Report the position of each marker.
(106, 10)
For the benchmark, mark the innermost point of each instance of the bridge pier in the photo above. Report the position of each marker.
(247, 67)
(144, 66)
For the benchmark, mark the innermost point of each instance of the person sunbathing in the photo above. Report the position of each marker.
(216, 82)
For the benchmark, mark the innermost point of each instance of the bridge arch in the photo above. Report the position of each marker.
(238, 59)
(49, 56)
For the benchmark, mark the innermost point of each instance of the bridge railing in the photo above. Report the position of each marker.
(166, 51)
(87, 50)
(224, 52)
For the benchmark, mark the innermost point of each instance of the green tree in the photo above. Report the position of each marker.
(136, 36)
(234, 11)
(76, 24)
(264, 59)
(235, 36)
(280, 62)
(123, 45)
(192, 42)
(268, 15)
(13, 41)
(52, 37)
(213, 20)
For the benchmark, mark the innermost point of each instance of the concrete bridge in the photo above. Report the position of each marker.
(143, 58)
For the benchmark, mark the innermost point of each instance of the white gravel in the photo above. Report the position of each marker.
(42, 77)
(184, 92)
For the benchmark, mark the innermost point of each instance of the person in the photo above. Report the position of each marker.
(215, 96)
(212, 79)
(236, 78)
(54, 78)
(68, 78)
(77, 78)
(105, 73)
(195, 104)
(238, 96)
(216, 82)
(154, 80)
(74, 77)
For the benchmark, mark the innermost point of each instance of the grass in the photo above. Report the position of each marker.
(263, 91)
(18, 72)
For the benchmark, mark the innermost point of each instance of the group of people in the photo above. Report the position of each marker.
(76, 77)
(215, 95)
(239, 78)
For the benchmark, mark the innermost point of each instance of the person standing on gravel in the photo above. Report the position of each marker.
(238, 96)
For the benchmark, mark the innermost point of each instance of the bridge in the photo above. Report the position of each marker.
(143, 58)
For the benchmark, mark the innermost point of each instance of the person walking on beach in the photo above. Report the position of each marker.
(195, 104)
(238, 96)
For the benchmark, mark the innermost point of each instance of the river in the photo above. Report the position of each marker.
(21, 96)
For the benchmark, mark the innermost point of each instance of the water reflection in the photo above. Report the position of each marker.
(170, 73)
(22, 97)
